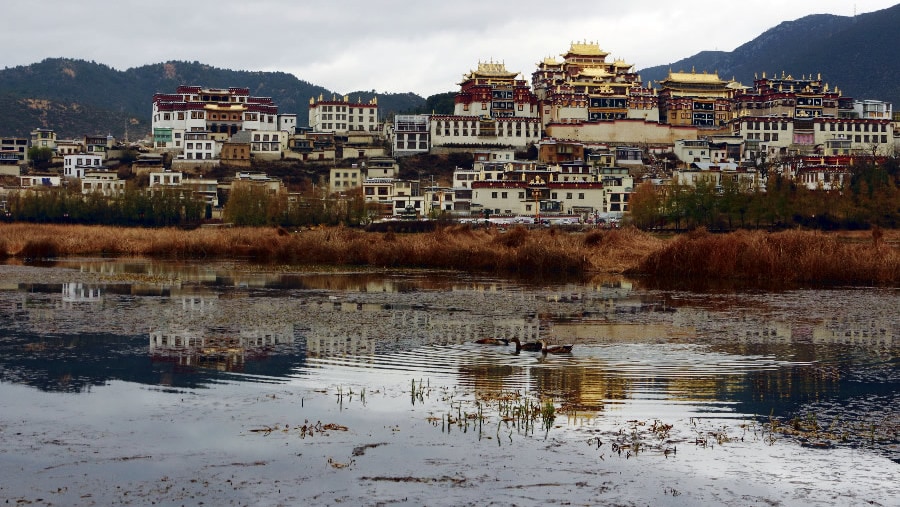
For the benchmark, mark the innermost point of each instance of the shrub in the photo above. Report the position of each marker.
(42, 248)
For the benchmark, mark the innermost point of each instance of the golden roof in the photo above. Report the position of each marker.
(693, 77)
(491, 69)
(594, 72)
(549, 60)
(585, 49)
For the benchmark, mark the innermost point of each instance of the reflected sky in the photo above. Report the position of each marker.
(82, 324)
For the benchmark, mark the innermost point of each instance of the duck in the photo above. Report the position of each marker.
(492, 341)
(555, 349)
(527, 346)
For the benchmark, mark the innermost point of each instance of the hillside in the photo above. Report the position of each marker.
(77, 97)
(853, 53)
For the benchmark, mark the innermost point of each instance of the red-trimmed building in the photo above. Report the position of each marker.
(585, 87)
(493, 91)
(222, 112)
(343, 115)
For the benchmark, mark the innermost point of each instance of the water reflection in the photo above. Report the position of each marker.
(85, 323)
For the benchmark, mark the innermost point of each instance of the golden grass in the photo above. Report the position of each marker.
(792, 256)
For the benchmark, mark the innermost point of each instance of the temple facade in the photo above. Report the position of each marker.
(785, 116)
(694, 99)
(222, 112)
(492, 91)
(493, 108)
(585, 87)
(806, 97)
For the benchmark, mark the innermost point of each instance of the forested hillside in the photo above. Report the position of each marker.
(853, 53)
(77, 97)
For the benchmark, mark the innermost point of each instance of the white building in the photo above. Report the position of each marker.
(774, 137)
(268, 145)
(39, 180)
(411, 134)
(166, 179)
(75, 165)
(342, 115)
(220, 112)
(747, 179)
(287, 122)
(342, 179)
(103, 182)
(518, 132)
(618, 185)
(538, 198)
(872, 109)
(200, 146)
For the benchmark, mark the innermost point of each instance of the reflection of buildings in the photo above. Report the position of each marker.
(218, 350)
(330, 344)
(80, 293)
(355, 329)
(581, 389)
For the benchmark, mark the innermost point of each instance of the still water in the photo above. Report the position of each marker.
(127, 379)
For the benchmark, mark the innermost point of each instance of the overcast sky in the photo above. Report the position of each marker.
(422, 47)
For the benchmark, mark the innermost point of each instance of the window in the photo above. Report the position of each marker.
(581, 195)
(493, 195)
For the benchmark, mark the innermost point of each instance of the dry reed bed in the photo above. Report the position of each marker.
(790, 256)
(516, 251)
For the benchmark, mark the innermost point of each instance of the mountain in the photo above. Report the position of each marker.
(76, 97)
(853, 53)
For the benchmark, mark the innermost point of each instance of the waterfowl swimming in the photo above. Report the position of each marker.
(527, 346)
(555, 349)
(492, 341)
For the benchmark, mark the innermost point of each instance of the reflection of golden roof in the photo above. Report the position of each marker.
(586, 49)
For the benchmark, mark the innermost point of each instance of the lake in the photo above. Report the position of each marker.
(141, 382)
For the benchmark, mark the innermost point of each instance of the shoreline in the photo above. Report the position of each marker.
(795, 256)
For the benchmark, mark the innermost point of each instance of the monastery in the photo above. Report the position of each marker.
(591, 121)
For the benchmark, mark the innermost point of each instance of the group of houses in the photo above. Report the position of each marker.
(595, 127)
